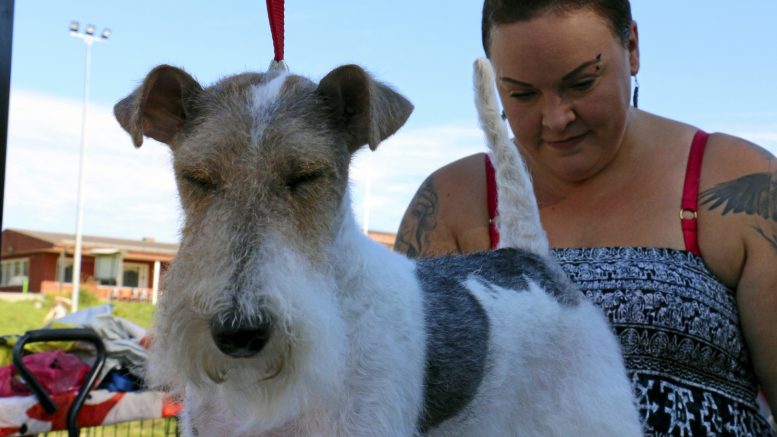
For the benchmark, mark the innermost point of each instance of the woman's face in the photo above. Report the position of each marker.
(564, 82)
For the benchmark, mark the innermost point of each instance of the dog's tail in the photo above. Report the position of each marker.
(518, 216)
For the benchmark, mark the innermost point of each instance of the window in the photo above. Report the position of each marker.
(68, 270)
(135, 275)
(14, 272)
(106, 268)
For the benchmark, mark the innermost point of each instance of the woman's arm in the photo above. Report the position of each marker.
(448, 214)
(741, 204)
(423, 232)
(757, 290)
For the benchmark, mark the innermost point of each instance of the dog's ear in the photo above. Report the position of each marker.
(367, 110)
(159, 107)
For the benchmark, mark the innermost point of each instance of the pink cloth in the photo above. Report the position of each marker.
(57, 371)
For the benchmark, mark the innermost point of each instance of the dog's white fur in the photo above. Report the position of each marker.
(518, 218)
(348, 352)
(322, 389)
(539, 395)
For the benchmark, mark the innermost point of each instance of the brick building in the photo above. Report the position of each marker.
(110, 267)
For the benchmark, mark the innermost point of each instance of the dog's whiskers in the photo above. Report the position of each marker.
(273, 373)
(218, 376)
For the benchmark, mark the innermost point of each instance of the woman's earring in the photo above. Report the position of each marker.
(636, 92)
(504, 116)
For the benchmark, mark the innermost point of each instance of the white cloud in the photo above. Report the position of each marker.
(399, 165)
(130, 193)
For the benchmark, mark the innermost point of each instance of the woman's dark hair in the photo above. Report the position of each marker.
(616, 12)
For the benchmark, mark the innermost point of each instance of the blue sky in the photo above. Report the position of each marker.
(711, 63)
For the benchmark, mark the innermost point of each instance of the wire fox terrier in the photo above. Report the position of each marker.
(280, 317)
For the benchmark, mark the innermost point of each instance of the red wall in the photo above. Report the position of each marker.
(43, 267)
(14, 243)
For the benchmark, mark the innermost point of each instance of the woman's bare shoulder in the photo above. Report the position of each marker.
(736, 198)
(461, 166)
(730, 155)
(448, 205)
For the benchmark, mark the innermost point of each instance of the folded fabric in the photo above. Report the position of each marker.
(120, 337)
(7, 343)
(123, 350)
(121, 380)
(57, 371)
(24, 416)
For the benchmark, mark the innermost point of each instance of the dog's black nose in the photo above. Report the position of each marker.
(240, 340)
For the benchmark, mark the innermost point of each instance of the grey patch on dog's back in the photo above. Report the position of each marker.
(457, 333)
(457, 326)
(511, 268)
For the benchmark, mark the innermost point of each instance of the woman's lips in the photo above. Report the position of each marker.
(566, 143)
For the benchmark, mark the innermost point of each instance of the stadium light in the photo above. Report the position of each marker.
(89, 38)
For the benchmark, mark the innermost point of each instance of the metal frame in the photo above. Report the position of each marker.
(6, 40)
(48, 335)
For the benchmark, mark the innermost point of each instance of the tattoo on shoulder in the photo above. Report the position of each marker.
(753, 194)
(422, 211)
(772, 239)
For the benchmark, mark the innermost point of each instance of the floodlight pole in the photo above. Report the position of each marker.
(88, 38)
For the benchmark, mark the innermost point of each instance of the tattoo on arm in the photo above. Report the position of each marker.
(423, 212)
(771, 239)
(753, 194)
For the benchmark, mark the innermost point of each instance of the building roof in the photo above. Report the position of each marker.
(96, 244)
(90, 242)
(385, 238)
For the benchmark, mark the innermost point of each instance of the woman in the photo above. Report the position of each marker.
(618, 190)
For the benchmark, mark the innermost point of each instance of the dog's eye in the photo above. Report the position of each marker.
(297, 180)
(200, 180)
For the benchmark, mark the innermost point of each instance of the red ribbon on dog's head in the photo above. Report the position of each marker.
(275, 12)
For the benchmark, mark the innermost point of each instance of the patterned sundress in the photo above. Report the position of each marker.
(680, 335)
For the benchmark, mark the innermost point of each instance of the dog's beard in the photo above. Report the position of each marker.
(301, 367)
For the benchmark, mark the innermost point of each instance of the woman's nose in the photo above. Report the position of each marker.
(557, 114)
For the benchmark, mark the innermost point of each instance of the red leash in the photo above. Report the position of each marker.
(275, 12)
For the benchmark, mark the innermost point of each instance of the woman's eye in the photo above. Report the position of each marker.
(583, 85)
(522, 96)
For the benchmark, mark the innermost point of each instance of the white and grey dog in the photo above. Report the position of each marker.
(281, 318)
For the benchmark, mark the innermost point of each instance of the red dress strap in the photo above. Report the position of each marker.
(690, 201)
(492, 196)
(688, 207)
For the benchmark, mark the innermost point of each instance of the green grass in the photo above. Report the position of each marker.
(145, 428)
(140, 313)
(19, 317)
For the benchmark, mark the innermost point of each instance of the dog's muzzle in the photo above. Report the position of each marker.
(240, 339)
